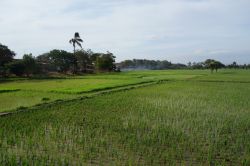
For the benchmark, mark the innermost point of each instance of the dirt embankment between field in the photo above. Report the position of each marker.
(85, 96)
(4, 113)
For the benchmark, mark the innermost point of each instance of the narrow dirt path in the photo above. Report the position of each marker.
(4, 113)
(87, 95)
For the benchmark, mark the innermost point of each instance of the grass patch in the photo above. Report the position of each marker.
(14, 100)
(29, 92)
(181, 122)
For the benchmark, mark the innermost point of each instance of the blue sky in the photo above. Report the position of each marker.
(175, 30)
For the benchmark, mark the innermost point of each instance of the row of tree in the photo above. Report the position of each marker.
(137, 64)
(60, 61)
(81, 61)
(214, 65)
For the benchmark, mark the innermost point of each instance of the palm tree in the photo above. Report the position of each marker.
(76, 40)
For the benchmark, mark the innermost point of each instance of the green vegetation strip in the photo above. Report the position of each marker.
(30, 92)
(34, 92)
(186, 123)
(57, 98)
(8, 90)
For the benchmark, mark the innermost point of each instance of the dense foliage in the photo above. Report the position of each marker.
(213, 64)
(86, 61)
(6, 56)
(149, 64)
(105, 61)
(142, 64)
(60, 61)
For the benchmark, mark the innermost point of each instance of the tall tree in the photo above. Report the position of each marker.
(84, 63)
(213, 65)
(235, 65)
(76, 40)
(105, 62)
(16, 67)
(62, 60)
(6, 56)
(30, 64)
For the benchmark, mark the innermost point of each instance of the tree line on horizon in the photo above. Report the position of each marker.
(144, 64)
(86, 61)
(56, 61)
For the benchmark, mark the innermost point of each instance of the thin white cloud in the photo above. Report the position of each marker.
(153, 29)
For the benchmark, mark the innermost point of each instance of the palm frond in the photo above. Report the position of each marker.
(71, 41)
(76, 40)
(79, 44)
(77, 35)
(79, 40)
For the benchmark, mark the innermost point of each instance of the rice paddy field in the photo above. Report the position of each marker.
(173, 117)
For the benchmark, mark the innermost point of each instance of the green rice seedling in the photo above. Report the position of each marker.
(189, 122)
